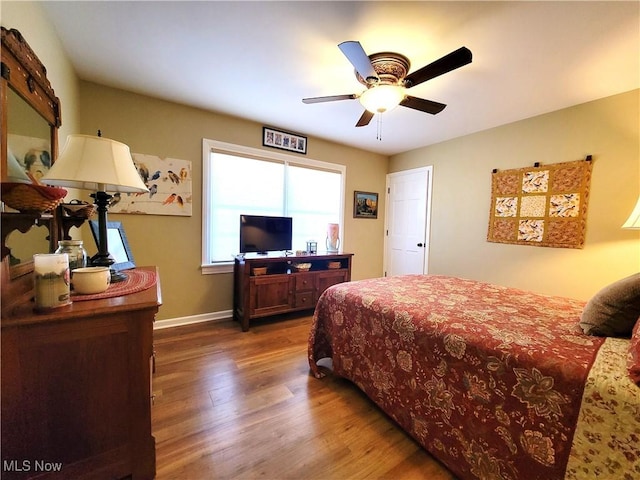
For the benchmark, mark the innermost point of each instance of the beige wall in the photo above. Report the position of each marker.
(156, 127)
(608, 129)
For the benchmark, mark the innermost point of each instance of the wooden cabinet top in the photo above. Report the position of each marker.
(254, 257)
(21, 312)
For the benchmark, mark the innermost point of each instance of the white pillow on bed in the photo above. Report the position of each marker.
(614, 310)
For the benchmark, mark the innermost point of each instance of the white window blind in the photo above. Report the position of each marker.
(240, 180)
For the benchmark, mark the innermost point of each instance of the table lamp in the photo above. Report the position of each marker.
(102, 165)
(634, 219)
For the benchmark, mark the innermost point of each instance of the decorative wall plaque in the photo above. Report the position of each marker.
(544, 206)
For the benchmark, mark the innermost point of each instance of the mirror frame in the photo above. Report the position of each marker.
(27, 76)
(23, 72)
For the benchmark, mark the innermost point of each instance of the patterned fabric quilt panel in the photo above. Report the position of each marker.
(489, 379)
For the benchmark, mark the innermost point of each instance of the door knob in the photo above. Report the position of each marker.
(420, 245)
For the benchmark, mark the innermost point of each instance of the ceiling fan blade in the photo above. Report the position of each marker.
(330, 98)
(427, 106)
(364, 119)
(453, 60)
(359, 59)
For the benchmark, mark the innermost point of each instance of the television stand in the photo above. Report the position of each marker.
(266, 285)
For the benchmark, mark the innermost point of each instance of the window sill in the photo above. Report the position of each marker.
(217, 268)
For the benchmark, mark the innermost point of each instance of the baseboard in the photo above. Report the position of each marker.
(204, 317)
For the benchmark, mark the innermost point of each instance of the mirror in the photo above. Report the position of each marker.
(29, 122)
(28, 140)
(28, 154)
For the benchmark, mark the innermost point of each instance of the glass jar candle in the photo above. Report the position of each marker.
(76, 252)
(51, 280)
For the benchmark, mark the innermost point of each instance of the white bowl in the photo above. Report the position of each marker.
(90, 280)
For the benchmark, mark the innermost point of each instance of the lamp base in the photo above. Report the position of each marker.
(107, 261)
(118, 276)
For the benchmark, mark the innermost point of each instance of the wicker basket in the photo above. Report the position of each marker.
(302, 267)
(78, 209)
(28, 197)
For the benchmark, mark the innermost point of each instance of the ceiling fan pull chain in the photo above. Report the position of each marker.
(379, 132)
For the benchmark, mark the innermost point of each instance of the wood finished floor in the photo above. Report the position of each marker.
(234, 405)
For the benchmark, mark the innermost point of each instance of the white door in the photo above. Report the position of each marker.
(408, 207)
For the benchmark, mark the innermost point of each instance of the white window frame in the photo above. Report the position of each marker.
(229, 148)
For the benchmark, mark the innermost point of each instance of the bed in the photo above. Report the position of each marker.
(495, 382)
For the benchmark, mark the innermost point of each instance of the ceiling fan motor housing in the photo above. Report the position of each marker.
(391, 68)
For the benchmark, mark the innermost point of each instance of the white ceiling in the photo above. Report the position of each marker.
(257, 60)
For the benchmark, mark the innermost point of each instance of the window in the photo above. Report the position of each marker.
(241, 180)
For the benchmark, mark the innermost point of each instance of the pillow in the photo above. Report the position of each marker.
(633, 358)
(614, 310)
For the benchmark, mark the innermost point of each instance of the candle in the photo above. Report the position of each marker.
(52, 279)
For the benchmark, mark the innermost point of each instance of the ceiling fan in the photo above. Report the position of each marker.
(385, 76)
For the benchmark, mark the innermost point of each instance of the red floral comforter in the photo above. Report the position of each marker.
(489, 379)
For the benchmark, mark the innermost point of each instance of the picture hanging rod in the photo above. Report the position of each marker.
(588, 158)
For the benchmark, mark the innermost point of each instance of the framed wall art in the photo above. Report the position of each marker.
(169, 181)
(365, 205)
(544, 206)
(284, 140)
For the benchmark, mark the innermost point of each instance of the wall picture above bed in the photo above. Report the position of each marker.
(544, 206)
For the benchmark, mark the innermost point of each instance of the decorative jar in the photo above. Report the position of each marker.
(76, 252)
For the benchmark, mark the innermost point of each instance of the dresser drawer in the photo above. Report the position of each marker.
(305, 299)
(305, 281)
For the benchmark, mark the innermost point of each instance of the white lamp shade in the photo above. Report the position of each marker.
(634, 219)
(382, 98)
(95, 163)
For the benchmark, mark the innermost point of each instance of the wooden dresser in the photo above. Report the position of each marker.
(280, 288)
(76, 389)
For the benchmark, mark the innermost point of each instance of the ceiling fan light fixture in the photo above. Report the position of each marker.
(382, 98)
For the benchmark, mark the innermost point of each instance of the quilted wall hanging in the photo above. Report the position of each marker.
(544, 206)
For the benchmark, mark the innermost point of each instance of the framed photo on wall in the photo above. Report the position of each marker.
(365, 205)
(284, 140)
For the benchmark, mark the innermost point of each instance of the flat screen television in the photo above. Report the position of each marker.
(262, 234)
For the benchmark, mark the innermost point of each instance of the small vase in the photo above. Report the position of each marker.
(333, 240)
